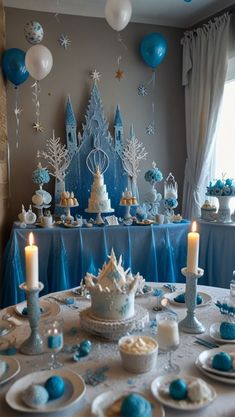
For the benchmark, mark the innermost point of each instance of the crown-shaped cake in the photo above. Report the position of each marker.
(113, 291)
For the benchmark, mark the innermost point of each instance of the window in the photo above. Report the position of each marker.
(225, 144)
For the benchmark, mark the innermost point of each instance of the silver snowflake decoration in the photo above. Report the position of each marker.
(150, 129)
(95, 75)
(142, 90)
(64, 41)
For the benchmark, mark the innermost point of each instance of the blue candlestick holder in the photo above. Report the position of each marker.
(190, 324)
(34, 344)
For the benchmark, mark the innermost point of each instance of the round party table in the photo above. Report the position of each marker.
(105, 357)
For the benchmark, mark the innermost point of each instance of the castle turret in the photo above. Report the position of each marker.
(71, 128)
(118, 132)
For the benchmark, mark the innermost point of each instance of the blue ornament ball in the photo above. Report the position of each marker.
(227, 330)
(33, 32)
(55, 386)
(134, 405)
(85, 348)
(222, 361)
(178, 389)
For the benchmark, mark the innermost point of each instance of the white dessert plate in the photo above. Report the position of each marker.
(149, 290)
(74, 390)
(13, 368)
(105, 400)
(160, 390)
(205, 360)
(230, 381)
(6, 327)
(49, 308)
(44, 225)
(72, 225)
(206, 299)
(215, 334)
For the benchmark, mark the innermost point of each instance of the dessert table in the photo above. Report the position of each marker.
(158, 252)
(105, 354)
(217, 257)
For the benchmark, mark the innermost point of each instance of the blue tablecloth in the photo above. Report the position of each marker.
(217, 253)
(158, 252)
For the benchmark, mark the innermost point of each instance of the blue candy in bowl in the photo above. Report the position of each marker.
(181, 298)
(227, 330)
(178, 389)
(55, 386)
(222, 361)
(134, 405)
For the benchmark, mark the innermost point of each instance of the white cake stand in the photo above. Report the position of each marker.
(99, 219)
(68, 217)
(114, 329)
(127, 214)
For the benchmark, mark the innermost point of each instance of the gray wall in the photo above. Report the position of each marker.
(94, 45)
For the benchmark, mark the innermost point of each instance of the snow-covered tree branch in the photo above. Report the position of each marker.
(132, 154)
(57, 156)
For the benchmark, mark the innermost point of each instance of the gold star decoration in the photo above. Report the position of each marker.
(38, 127)
(119, 74)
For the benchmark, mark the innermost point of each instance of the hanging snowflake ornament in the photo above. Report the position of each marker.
(64, 41)
(38, 127)
(119, 74)
(95, 75)
(150, 129)
(142, 90)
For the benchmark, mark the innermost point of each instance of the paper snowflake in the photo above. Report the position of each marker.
(17, 111)
(119, 74)
(95, 75)
(150, 129)
(64, 41)
(142, 90)
(38, 127)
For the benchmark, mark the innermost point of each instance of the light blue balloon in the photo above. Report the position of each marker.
(153, 49)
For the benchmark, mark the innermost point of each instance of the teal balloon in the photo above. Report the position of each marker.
(153, 49)
(13, 66)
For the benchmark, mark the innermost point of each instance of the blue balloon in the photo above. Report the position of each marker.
(153, 49)
(13, 66)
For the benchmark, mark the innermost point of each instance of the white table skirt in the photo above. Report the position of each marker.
(104, 353)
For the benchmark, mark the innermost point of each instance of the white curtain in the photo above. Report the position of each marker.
(205, 61)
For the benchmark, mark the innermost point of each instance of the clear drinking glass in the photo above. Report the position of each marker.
(55, 341)
(168, 338)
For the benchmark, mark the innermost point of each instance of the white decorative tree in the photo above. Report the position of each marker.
(133, 153)
(58, 158)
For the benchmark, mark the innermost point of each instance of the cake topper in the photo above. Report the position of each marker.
(97, 160)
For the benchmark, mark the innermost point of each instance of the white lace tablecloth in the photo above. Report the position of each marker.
(106, 353)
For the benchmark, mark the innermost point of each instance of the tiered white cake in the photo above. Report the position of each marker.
(99, 201)
(113, 291)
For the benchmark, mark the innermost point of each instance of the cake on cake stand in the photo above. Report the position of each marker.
(98, 162)
(113, 312)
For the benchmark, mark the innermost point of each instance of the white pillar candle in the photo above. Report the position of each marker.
(31, 261)
(167, 334)
(193, 250)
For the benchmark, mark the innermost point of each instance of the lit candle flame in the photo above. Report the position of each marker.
(31, 239)
(194, 227)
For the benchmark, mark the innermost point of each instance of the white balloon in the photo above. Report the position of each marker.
(118, 13)
(38, 61)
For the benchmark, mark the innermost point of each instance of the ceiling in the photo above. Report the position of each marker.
(178, 13)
